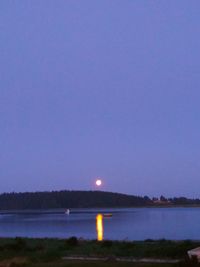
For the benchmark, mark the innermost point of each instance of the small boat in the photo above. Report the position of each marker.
(107, 215)
(67, 211)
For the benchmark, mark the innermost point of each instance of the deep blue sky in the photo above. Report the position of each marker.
(100, 88)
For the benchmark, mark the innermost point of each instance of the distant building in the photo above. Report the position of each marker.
(161, 201)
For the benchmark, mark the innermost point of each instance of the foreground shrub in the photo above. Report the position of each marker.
(72, 241)
(107, 243)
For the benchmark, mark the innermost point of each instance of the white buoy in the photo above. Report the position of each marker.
(67, 211)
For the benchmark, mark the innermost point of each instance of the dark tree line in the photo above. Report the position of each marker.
(83, 199)
(184, 201)
(69, 199)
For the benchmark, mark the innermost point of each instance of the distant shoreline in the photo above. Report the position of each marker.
(67, 199)
(96, 209)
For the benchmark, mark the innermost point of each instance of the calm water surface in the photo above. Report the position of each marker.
(130, 224)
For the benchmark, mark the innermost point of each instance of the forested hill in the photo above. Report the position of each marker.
(85, 199)
(69, 199)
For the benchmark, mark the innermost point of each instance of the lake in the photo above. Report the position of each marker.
(125, 224)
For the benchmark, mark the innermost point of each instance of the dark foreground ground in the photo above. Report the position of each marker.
(98, 264)
(56, 252)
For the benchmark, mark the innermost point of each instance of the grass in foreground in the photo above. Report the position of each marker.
(49, 252)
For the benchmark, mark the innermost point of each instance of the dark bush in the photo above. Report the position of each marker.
(20, 243)
(107, 243)
(72, 241)
(148, 240)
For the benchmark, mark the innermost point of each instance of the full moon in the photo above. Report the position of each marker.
(98, 182)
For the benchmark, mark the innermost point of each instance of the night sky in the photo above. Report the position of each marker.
(100, 88)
